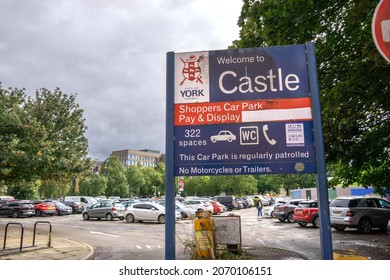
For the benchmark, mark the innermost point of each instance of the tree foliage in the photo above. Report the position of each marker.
(93, 185)
(354, 79)
(135, 179)
(41, 138)
(63, 146)
(115, 173)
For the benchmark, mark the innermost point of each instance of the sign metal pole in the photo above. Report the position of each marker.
(170, 246)
(322, 190)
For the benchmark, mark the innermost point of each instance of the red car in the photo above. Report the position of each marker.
(307, 213)
(44, 208)
(216, 207)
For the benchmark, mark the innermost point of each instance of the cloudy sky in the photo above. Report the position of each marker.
(112, 54)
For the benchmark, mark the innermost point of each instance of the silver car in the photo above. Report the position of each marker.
(363, 213)
(147, 211)
(105, 210)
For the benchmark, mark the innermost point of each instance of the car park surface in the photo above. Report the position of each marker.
(362, 213)
(268, 237)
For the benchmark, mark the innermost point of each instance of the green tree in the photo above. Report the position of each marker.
(354, 79)
(93, 184)
(20, 135)
(41, 138)
(265, 186)
(154, 182)
(135, 179)
(24, 190)
(54, 188)
(198, 186)
(115, 172)
(62, 149)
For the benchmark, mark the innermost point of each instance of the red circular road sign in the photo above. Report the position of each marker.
(381, 28)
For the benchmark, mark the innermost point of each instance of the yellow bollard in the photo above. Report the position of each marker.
(204, 236)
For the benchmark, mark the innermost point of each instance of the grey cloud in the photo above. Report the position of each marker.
(112, 54)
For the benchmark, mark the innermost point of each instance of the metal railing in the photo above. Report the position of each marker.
(22, 234)
(35, 228)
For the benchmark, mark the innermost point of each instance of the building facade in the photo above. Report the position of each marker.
(147, 158)
(311, 193)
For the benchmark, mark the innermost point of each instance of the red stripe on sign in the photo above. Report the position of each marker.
(232, 112)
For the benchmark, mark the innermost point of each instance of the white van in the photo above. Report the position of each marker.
(6, 197)
(85, 200)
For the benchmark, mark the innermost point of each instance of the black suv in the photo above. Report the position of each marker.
(17, 209)
(229, 201)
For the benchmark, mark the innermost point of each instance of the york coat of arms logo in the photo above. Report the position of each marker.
(191, 69)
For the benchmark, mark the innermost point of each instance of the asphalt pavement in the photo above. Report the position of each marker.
(46, 247)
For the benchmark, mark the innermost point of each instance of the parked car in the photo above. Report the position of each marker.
(85, 200)
(244, 202)
(128, 203)
(229, 201)
(239, 205)
(105, 210)
(266, 200)
(184, 211)
(250, 201)
(306, 213)
(268, 211)
(363, 213)
(62, 209)
(388, 228)
(279, 200)
(4, 198)
(17, 209)
(76, 206)
(147, 211)
(216, 208)
(285, 211)
(199, 205)
(43, 207)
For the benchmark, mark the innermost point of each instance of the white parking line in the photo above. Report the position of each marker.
(105, 234)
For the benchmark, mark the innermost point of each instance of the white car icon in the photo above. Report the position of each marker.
(223, 135)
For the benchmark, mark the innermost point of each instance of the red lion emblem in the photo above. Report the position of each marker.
(191, 70)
